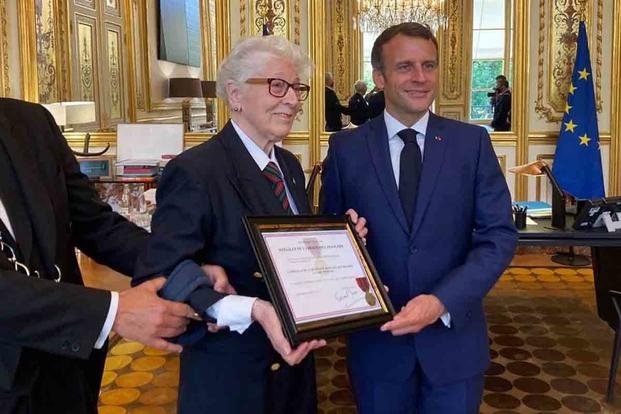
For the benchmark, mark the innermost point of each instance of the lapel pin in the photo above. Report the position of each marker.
(438, 138)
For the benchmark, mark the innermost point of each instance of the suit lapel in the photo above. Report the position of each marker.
(37, 202)
(245, 176)
(435, 146)
(296, 189)
(377, 140)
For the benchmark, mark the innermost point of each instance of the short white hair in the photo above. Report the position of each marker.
(248, 58)
(360, 86)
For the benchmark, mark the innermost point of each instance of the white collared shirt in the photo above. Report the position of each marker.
(262, 159)
(235, 311)
(114, 296)
(395, 145)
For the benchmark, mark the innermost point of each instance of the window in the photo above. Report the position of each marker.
(367, 69)
(491, 53)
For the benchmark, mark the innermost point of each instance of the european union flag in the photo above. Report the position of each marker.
(577, 161)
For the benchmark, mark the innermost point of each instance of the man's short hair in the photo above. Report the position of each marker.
(411, 29)
(360, 86)
(501, 77)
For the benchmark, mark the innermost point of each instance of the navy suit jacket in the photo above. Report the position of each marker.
(201, 199)
(461, 239)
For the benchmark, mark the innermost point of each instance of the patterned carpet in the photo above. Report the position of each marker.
(550, 353)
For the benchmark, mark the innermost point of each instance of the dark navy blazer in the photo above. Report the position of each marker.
(461, 240)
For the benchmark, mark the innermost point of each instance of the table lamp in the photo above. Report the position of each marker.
(537, 168)
(186, 88)
(209, 92)
(76, 113)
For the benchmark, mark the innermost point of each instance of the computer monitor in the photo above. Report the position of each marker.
(591, 214)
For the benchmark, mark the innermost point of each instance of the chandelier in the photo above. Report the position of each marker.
(376, 15)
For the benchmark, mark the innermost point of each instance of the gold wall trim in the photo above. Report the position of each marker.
(549, 159)
(27, 50)
(101, 139)
(550, 138)
(521, 67)
(297, 22)
(5, 84)
(563, 18)
(452, 51)
(273, 13)
(128, 40)
(614, 183)
(316, 49)
(242, 18)
(223, 46)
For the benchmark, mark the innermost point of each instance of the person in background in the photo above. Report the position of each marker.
(53, 330)
(440, 235)
(203, 195)
(377, 103)
(334, 109)
(358, 106)
(501, 103)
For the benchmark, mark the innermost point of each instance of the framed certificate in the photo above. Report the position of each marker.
(319, 275)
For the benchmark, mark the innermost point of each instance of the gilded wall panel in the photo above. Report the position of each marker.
(452, 47)
(115, 81)
(88, 4)
(272, 13)
(46, 51)
(5, 89)
(87, 62)
(297, 21)
(113, 7)
(137, 58)
(558, 25)
(343, 57)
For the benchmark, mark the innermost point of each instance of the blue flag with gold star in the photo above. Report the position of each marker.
(577, 161)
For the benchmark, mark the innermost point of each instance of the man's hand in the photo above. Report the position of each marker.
(220, 283)
(360, 224)
(218, 279)
(144, 317)
(264, 313)
(421, 311)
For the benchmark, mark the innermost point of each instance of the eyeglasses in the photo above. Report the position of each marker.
(279, 87)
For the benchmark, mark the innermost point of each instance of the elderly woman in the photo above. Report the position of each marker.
(201, 199)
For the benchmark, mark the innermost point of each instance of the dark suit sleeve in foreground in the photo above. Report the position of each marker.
(62, 319)
(180, 226)
(100, 233)
(493, 240)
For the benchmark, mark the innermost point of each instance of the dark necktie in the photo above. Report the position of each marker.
(274, 176)
(410, 167)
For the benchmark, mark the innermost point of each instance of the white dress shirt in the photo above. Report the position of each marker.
(395, 145)
(235, 311)
(114, 299)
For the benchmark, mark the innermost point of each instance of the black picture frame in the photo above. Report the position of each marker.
(256, 226)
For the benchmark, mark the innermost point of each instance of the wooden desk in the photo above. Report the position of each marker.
(605, 254)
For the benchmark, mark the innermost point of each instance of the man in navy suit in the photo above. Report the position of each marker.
(440, 234)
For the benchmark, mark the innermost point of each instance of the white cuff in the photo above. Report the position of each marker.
(233, 311)
(446, 319)
(107, 326)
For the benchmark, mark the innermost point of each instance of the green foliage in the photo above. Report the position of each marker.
(483, 81)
